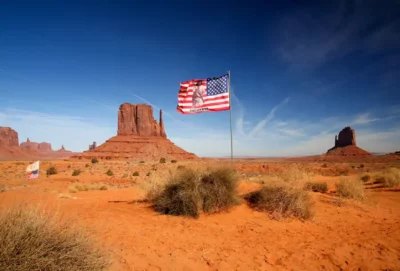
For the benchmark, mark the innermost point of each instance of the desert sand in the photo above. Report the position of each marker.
(343, 235)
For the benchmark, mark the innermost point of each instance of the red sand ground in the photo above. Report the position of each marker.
(344, 235)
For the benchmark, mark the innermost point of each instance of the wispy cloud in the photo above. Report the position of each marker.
(364, 119)
(260, 125)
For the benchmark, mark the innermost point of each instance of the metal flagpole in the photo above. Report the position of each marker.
(230, 112)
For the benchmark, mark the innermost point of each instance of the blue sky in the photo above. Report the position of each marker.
(299, 72)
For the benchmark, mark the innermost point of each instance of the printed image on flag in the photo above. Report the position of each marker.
(32, 167)
(204, 95)
(33, 175)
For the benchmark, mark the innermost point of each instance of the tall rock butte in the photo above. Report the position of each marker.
(139, 136)
(8, 137)
(345, 145)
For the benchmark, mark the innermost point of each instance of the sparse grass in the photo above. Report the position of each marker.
(3, 188)
(181, 167)
(65, 196)
(51, 171)
(135, 173)
(94, 161)
(162, 160)
(189, 192)
(125, 175)
(109, 172)
(365, 178)
(389, 177)
(32, 240)
(353, 189)
(174, 161)
(76, 172)
(321, 187)
(87, 187)
(282, 199)
(20, 163)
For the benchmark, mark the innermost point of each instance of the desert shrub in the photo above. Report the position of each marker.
(189, 192)
(282, 199)
(174, 161)
(103, 187)
(362, 166)
(32, 240)
(181, 167)
(87, 165)
(76, 172)
(81, 187)
(148, 173)
(51, 171)
(162, 160)
(142, 162)
(353, 189)
(72, 190)
(321, 187)
(389, 177)
(324, 165)
(109, 172)
(125, 175)
(69, 166)
(87, 187)
(365, 178)
(94, 161)
(135, 173)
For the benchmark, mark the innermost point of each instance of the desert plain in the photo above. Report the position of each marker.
(342, 234)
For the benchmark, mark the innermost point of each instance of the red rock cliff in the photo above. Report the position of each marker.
(138, 120)
(9, 137)
(347, 137)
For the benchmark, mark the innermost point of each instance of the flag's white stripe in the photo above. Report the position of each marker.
(189, 96)
(209, 107)
(186, 103)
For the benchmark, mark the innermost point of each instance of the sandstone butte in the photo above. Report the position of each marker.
(345, 145)
(139, 136)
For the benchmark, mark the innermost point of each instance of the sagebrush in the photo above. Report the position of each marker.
(190, 192)
(282, 199)
(321, 187)
(32, 240)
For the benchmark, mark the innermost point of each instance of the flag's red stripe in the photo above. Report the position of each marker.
(205, 105)
(201, 111)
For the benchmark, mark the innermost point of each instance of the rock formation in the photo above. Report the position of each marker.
(345, 145)
(9, 137)
(347, 137)
(92, 146)
(139, 136)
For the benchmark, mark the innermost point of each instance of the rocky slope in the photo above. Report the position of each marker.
(345, 145)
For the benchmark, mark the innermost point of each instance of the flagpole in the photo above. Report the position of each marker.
(230, 112)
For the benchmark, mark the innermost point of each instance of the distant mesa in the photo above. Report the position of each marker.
(11, 149)
(139, 136)
(345, 145)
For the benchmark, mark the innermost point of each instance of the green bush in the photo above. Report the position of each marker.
(109, 172)
(135, 173)
(51, 171)
(94, 161)
(162, 160)
(76, 172)
(282, 199)
(189, 192)
(316, 187)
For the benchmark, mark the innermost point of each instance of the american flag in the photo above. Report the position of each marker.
(33, 175)
(204, 95)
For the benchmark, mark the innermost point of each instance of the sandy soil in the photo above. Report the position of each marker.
(343, 235)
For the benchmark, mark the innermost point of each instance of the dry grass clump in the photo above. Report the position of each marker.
(51, 171)
(282, 199)
(189, 191)
(76, 172)
(321, 187)
(365, 178)
(389, 177)
(353, 189)
(109, 173)
(32, 240)
(87, 187)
